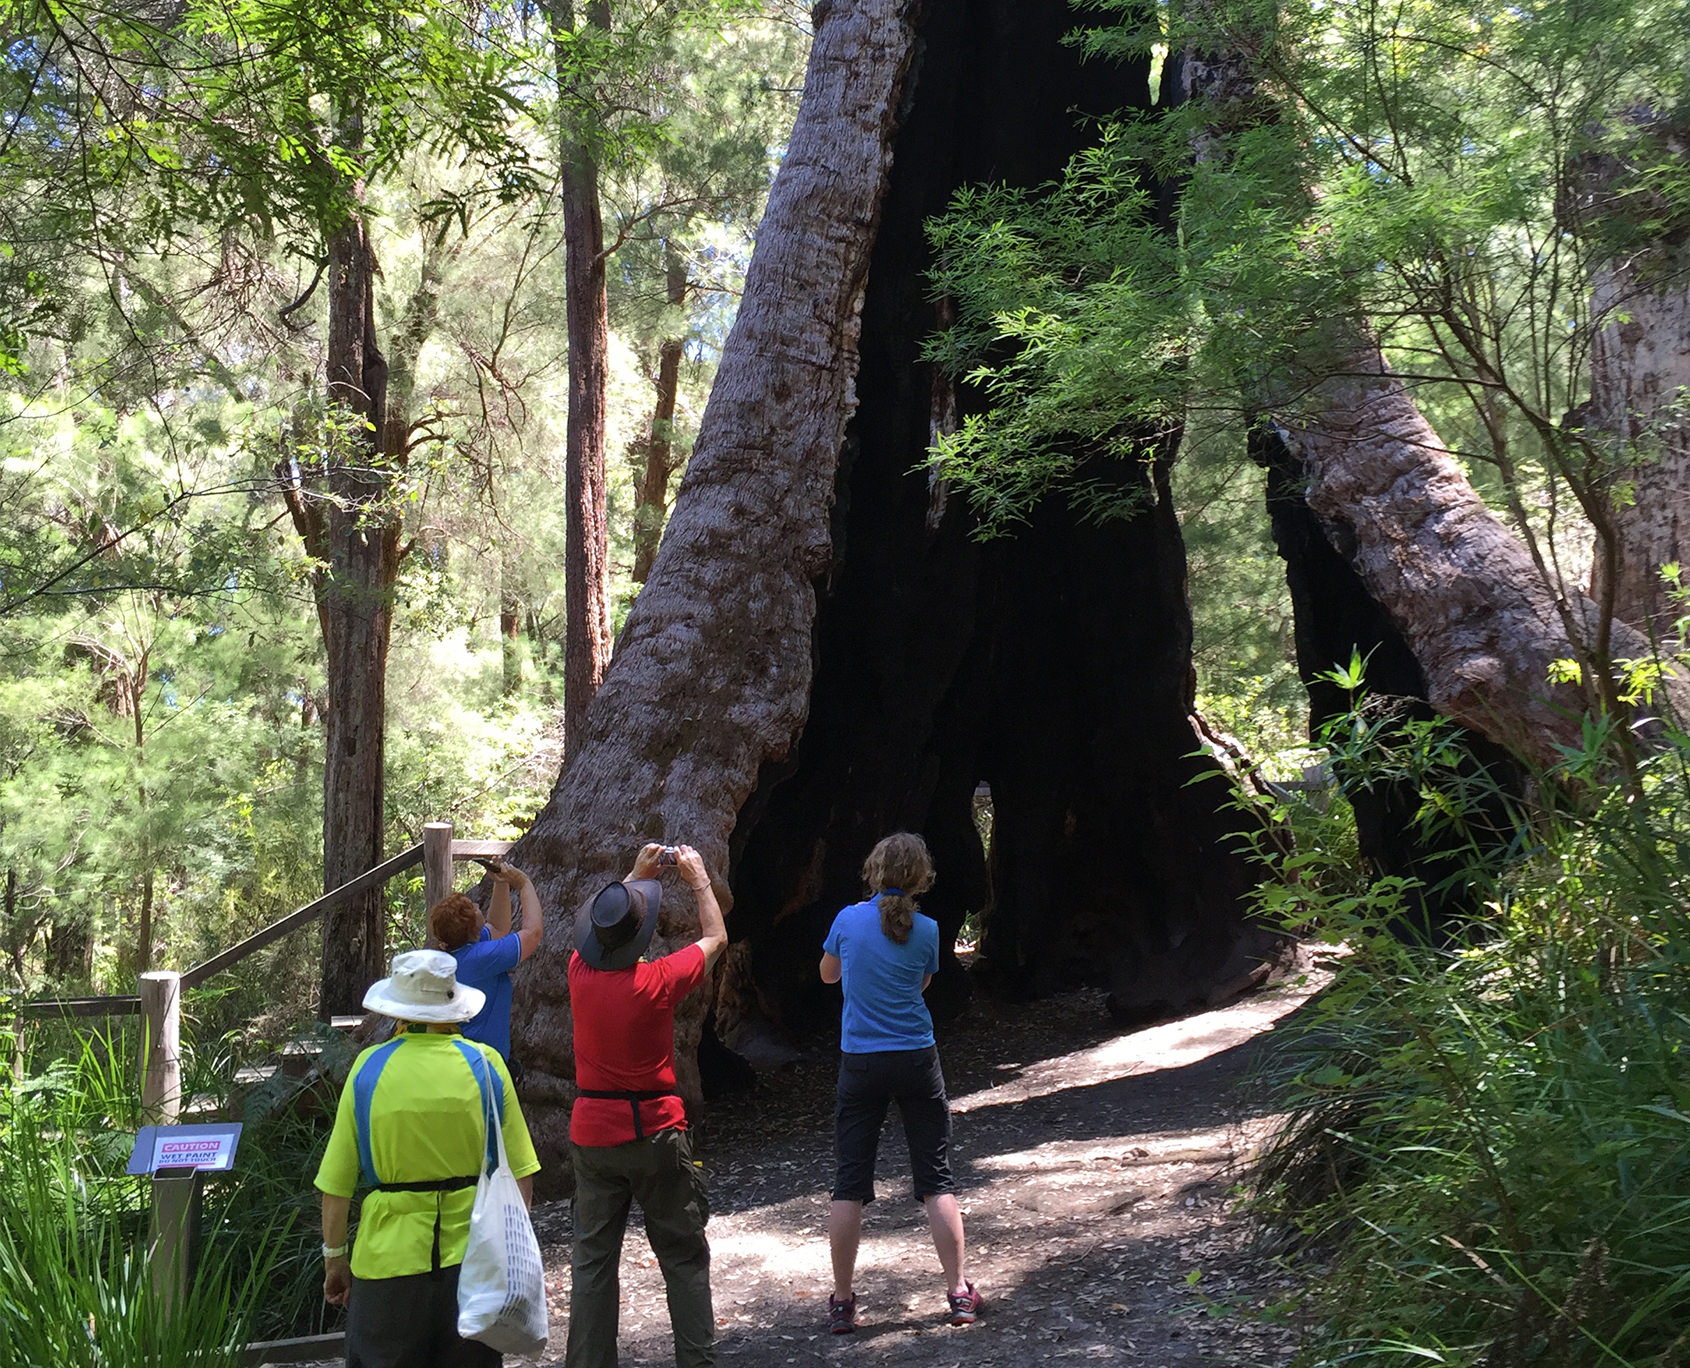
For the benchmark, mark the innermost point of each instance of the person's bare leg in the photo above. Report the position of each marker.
(944, 1219)
(844, 1233)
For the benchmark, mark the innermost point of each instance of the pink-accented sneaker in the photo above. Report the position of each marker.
(966, 1307)
(841, 1315)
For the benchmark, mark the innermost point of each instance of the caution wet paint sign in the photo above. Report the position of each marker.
(205, 1147)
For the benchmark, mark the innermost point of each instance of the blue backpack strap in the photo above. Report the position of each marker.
(363, 1096)
(487, 1079)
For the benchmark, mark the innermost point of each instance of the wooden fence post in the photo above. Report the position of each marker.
(161, 1045)
(437, 866)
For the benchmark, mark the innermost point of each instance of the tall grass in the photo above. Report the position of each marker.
(1489, 1146)
(75, 1282)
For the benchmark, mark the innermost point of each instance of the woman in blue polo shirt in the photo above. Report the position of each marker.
(885, 953)
(486, 950)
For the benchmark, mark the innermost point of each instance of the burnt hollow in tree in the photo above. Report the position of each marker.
(1053, 665)
(1336, 620)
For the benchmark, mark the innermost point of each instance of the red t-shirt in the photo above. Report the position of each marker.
(625, 1042)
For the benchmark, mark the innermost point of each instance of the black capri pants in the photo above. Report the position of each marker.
(867, 1084)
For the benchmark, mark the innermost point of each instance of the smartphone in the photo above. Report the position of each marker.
(491, 863)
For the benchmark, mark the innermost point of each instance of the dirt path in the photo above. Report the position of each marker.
(1094, 1169)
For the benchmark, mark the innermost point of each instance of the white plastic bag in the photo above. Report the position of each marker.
(502, 1284)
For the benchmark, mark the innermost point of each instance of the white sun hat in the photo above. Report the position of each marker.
(424, 987)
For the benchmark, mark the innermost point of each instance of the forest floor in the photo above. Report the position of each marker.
(1096, 1171)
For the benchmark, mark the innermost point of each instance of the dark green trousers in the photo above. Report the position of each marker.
(659, 1173)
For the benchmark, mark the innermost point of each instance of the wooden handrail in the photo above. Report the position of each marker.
(192, 978)
(463, 850)
(122, 1005)
(130, 1003)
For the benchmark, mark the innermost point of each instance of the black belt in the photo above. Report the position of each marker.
(432, 1185)
(633, 1099)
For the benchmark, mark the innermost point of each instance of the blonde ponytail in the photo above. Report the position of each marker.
(897, 870)
(897, 916)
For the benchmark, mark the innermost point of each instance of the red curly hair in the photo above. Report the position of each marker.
(454, 921)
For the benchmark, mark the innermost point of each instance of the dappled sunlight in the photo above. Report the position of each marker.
(772, 1256)
(1172, 1045)
(1219, 1145)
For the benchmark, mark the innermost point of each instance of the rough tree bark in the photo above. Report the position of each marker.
(1639, 388)
(713, 672)
(1482, 619)
(586, 629)
(338, 510)
(823, 652)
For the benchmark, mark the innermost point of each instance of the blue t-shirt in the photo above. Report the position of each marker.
(882, 979)
(486, 964)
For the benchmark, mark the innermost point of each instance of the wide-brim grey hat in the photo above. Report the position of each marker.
(424, 987)
(614, 926)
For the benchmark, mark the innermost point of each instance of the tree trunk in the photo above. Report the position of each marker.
(823, 652)
(137, 686)
(357, 612)
(1481, 619)
(1335, 619)
(651, 487)
(586, 640)
(1639, 385)
(510, 621)
(712, 679)
(339, 511)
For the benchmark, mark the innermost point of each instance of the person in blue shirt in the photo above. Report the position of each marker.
(885, 952)
(486, 950)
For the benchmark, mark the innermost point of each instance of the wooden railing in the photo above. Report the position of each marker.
(159, 1003)
(159, 1000)
(436, 852)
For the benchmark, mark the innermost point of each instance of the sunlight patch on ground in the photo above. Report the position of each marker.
(1218, 1146)
(1171, 1045)
(771, 1254)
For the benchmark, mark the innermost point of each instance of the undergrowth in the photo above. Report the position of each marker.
(1488, 1144)
(75, 1282)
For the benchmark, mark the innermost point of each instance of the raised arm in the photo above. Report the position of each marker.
(507, 877)
(713, 927)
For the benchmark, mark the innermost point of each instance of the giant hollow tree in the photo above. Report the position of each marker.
(824, 651)
(1385, 219)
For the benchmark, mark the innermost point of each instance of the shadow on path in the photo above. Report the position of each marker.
(1094, 1168)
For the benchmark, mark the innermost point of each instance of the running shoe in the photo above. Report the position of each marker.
(841, 1315)
(965, 1306)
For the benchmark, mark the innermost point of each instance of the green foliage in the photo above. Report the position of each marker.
(171, 174)
(75, 1282)
(1489, 1146)
(1451, 173)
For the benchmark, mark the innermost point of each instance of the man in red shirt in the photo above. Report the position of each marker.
(628, 1128)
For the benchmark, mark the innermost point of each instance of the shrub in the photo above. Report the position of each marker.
(1489, 1144)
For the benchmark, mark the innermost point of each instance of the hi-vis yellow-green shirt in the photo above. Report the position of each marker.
(412, 1112)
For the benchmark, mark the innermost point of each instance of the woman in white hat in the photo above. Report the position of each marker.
(410, 1129)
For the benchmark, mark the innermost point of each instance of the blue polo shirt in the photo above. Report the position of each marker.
(884, 1009)
(486, 964)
